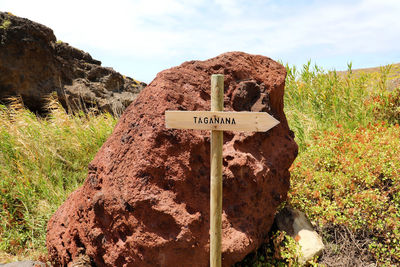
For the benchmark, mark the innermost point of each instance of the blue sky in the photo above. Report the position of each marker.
(139, 38)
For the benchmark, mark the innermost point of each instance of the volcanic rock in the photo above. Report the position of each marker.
(33, 65)
(145, 201)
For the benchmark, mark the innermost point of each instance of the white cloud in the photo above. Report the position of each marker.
(231, 7)
(176, 30)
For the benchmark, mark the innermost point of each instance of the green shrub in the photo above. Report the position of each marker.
(348, 169)
(353, 178)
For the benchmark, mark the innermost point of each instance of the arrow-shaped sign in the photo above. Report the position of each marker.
(220, 120)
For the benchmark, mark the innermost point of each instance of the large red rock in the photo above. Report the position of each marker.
(145, 201)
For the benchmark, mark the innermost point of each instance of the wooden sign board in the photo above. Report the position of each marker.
(220, 120)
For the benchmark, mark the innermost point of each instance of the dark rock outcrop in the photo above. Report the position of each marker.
(33, 65)
(145, 201)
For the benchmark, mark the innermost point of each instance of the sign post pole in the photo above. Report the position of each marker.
(217, 104)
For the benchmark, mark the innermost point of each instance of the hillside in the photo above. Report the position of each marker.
(392, 73)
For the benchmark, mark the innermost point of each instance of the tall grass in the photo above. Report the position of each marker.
(316, 100)
(42, 161)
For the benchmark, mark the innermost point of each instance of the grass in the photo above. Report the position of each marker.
(346, 177)
(316, 101)
(42, 161)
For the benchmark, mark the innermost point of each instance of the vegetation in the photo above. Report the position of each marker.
(346, 177)
(5, 24)
(348, 169)
(42, 161)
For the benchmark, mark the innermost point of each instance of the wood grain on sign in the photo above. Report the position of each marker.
(220, 120)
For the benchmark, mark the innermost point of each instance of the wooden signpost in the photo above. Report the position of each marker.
(218, 121)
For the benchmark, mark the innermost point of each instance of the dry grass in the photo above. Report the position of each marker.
(42, 159)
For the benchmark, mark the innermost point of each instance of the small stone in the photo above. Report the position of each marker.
(296, 224)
